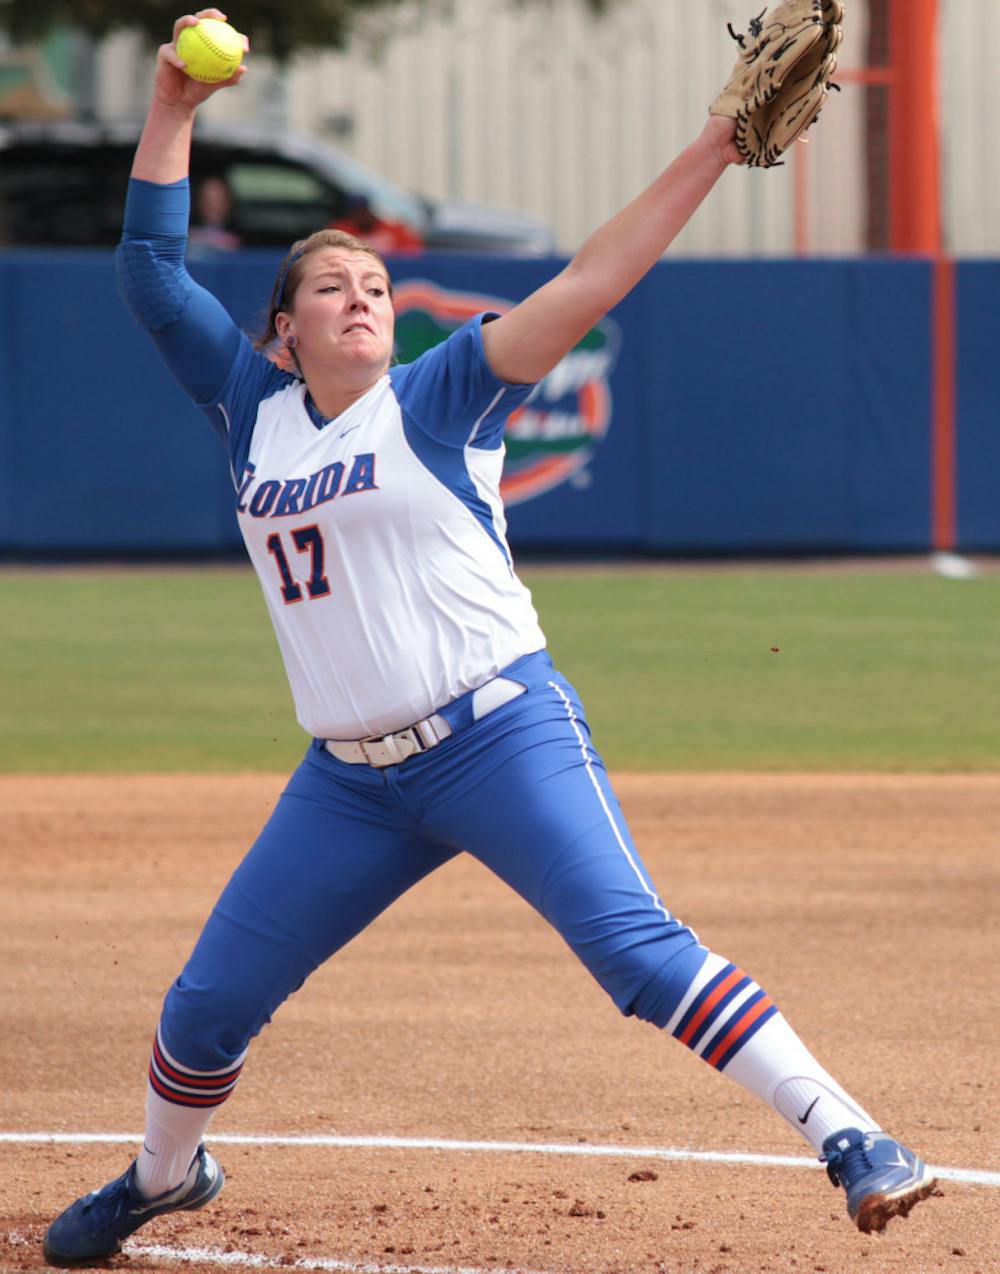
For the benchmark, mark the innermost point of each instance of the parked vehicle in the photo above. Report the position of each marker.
(63, 184)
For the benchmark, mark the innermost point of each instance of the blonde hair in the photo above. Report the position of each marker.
(293, 268)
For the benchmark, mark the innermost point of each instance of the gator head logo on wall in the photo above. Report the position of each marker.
(554, 435)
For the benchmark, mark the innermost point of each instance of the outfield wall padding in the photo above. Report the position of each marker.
(754, 407)
(978, 406)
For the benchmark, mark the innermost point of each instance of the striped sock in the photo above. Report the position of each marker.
(721, 1012)
(180, 1104)
(729, 1021)
(186, 1087)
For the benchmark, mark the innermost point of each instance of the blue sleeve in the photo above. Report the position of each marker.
(213, 360)
(451, 393)
(191, 329)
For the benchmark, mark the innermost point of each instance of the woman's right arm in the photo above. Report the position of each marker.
(164, 149)
(193, 332)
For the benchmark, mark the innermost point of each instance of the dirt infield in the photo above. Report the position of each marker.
(865, 905)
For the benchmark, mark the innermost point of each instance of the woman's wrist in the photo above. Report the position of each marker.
(164, 150)
(182, 112)
(718, 138)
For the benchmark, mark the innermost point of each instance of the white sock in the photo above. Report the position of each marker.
(778, 1068)
(728, 1020)
(173, 1135)
(174, 1128)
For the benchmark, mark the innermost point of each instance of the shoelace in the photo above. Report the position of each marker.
(111, 1197)
(844, 1165)
(754, 28)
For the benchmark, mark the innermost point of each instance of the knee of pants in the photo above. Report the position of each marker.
(617, 926)
(645, 968)
(659, 997)
(208, 1024)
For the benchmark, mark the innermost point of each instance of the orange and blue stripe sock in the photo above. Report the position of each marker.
(730, 1021)
(180, 1104)
(723, 1014)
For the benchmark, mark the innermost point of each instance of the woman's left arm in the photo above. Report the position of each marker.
(527, 342)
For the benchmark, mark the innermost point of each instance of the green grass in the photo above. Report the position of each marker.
(871, 671)
(179, 670)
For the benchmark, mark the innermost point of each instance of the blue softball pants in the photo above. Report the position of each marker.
(522, 790)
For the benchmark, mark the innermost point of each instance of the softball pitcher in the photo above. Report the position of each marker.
(367, 495)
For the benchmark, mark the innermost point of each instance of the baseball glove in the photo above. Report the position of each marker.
(782, 76)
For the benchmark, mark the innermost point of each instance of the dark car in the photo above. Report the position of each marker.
(63, 185)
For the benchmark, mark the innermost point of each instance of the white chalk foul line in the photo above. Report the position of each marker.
(260, 1261)
(256, 1261)
(966, 1176)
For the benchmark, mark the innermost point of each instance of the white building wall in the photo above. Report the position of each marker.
(970, 102)
(544, 109)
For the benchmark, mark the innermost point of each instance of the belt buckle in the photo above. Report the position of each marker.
(394, 748)
(411, 737)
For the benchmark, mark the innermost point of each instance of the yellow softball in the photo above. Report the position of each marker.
(211, 50)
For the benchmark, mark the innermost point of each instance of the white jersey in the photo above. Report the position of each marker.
(379, 537)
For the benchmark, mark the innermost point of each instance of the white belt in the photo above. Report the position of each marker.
(391, 749)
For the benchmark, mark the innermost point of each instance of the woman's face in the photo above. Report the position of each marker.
(342, 316)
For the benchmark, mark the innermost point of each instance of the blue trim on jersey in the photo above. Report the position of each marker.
(252, 379)
(452, 393)
(449, 467)
(489, 429)
(314, 413)
(450, 399)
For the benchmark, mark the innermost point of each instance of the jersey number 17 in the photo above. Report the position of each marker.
(307, 539)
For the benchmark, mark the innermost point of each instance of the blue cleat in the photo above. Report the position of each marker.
(882, 1178)
(93, 1228)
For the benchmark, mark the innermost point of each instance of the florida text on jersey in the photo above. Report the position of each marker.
(379, 537)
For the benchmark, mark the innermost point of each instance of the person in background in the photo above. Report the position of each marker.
(387, 237)
(211, 226)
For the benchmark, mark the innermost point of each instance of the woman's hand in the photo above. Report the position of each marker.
(164, 150)
(720, 134)
(172, 86)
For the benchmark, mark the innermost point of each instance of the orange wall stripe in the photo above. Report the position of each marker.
(914, 149)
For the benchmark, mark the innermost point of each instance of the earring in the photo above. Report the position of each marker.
(290, 341)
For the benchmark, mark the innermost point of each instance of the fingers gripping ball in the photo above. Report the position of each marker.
(782, 76)
(211, 50)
